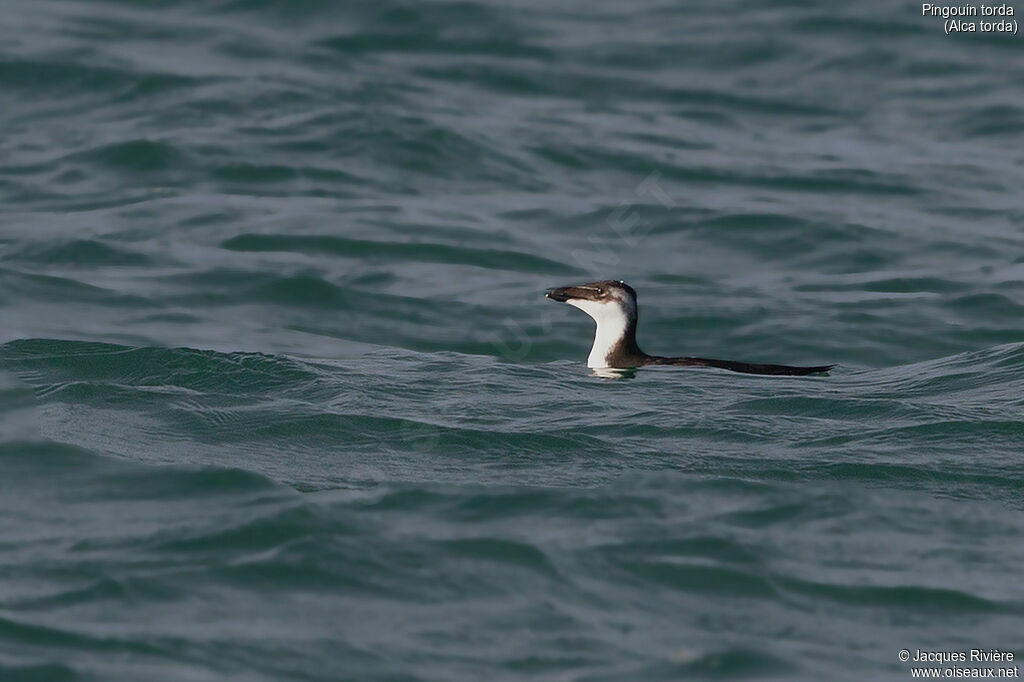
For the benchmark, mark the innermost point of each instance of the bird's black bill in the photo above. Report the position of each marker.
(560, 294)
(563, 294)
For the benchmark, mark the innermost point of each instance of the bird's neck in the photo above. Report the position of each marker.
(614, 340)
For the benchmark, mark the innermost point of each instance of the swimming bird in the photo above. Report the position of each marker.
(612, 304)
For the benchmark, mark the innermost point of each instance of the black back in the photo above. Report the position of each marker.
(734, 366)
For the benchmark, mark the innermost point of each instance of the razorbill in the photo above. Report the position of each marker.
(612, 304)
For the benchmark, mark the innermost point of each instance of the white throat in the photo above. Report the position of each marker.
(612, 319)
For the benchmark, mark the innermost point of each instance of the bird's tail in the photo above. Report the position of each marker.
(746, 367)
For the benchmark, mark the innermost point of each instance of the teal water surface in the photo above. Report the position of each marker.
(281, 397)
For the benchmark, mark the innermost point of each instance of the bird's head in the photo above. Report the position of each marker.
(599, 299)
(612, 304)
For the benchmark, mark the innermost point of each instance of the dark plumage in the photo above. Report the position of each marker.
(613, 306)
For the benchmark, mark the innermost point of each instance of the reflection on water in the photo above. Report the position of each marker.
(613, 372)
